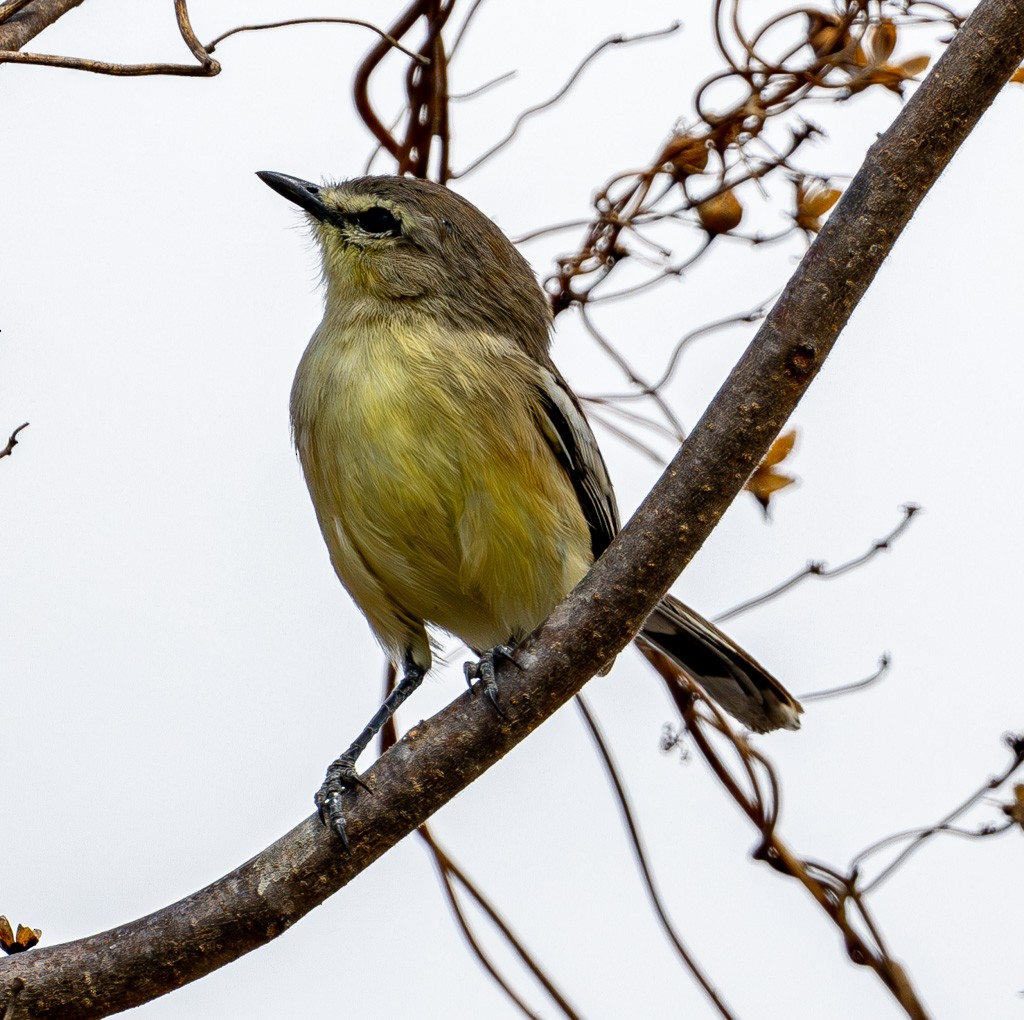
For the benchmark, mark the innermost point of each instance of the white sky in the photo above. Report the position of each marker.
(171, 633)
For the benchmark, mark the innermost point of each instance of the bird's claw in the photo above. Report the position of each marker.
(482, 672)
(341, 778)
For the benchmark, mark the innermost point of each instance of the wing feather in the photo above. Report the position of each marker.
(568, 432)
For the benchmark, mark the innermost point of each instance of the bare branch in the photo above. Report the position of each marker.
(463, 28)
(1015, 742)
(631, 374)
(449, 871)
(191, 41)
(817, 568)
(26, 21)
(12, 442)
(758, 799)
(858, 685)
(207, 70)
(754, 315)
(206, 67)
(479, 90)
(646, 873)
(426, 89)
(629, 438)
(478, 950)
(530, 111)
(419, 58)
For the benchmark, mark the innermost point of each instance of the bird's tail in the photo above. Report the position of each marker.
(730, 676)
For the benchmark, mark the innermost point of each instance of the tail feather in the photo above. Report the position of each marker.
(731, 677)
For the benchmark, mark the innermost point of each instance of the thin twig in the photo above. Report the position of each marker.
(1015, 742)
(360, 86)
(196, 48)
(640, 853)
(467, 932)
(830, 891)
(447, 870)
(817, 568)
(627, 437)
(447, 865)
(463, 28)
(673, 272)
(630, 373)
(390, 40)
(102, 67)
(632, 416)
(530, 111)
(858, 685)
(12, 442)
(554, 228)
(754, 315)
(481, 89)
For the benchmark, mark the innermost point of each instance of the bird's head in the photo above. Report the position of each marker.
(404, 239)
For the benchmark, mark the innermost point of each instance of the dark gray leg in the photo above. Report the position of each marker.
(342, 774)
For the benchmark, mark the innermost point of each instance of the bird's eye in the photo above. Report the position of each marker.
(377, 220)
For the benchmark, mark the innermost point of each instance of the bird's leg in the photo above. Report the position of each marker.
(341, 773)
(483, 671)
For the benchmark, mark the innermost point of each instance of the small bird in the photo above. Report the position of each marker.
(455, 478)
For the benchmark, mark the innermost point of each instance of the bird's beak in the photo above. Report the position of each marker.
(302, 193)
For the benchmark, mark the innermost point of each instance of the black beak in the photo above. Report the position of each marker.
(302, 193)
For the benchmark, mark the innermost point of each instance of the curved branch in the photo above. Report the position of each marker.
(101, 974)
(214, 43)
(206, 66)
(12, 441)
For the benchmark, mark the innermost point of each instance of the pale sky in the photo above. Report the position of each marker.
(178, 663)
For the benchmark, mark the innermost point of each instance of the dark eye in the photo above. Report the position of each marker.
(377, 220)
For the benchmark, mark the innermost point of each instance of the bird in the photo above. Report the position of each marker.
(455, 478)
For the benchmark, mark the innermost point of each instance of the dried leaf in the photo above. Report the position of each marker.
(28, 937)
(1018, 76)
(766, 481)
(825, 34)
(720, 214)
(880, 41)
(685, 155)
(1015, 809)
(891, 76)
(814, 198)
(780, 449)
(914, 66)
(25, 939)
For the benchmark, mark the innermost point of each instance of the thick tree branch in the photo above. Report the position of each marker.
(28, 21)
(106, 973)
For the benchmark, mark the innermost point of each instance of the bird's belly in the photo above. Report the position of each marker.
(449, 496)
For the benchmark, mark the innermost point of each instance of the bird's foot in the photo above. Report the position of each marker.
(480, 674)
(341, 778)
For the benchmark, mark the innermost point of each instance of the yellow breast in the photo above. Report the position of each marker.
(436, 491)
